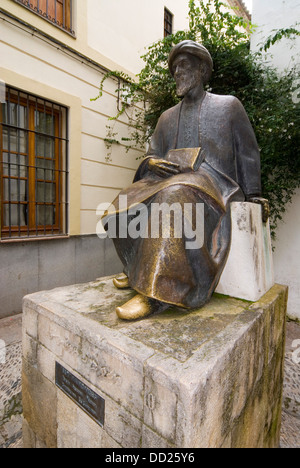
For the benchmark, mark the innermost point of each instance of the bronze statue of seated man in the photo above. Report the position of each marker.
(217, 162)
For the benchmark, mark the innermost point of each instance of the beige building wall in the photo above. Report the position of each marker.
(123, 30)
(113, 34)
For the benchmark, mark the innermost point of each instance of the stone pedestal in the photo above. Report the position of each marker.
(208, 378)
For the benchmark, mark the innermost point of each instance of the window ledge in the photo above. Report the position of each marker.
(32, 239)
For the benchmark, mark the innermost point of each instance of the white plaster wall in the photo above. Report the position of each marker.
(269, 15)
(122, 30)
(287, 255)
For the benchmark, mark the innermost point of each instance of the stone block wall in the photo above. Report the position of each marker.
(27, 267)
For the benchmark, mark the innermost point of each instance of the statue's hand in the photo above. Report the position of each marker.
(163, 168)
(264, 204)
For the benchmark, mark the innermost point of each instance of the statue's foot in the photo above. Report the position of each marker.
(121, 281)
(140, 307)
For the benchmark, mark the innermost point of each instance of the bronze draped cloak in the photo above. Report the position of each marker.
(164, 269)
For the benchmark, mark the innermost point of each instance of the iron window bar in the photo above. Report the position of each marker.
(34, 166)
(61, 17)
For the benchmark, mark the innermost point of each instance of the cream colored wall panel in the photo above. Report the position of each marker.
(33, 68)
(50, 54)
(94, 149)
(89, 222)
(114, 27)
(95, 124)
(111, 99)
(110, 85)
(103, 175)
(81, 27)
(120, 157)
(91, 197)
(46, 51)
(107, 105)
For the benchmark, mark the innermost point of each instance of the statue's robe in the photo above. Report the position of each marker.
(164, 269)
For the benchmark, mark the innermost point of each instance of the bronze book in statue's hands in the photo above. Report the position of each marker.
(188, 159)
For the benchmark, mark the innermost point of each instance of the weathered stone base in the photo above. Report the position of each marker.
(208, 378)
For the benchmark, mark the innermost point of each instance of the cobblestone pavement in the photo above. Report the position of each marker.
(10, 382)
(290, 428)
(10, 386)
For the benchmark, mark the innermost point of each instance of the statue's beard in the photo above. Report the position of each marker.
(182, 89)
(186, 84)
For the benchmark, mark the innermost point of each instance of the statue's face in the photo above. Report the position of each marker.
(187, 73)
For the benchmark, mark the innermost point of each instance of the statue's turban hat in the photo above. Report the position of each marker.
(195, 49)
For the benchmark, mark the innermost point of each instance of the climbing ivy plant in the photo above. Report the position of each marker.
(271, 99)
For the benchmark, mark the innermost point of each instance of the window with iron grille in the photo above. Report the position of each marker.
(58, 12)
(34, 166)
(168, 23)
